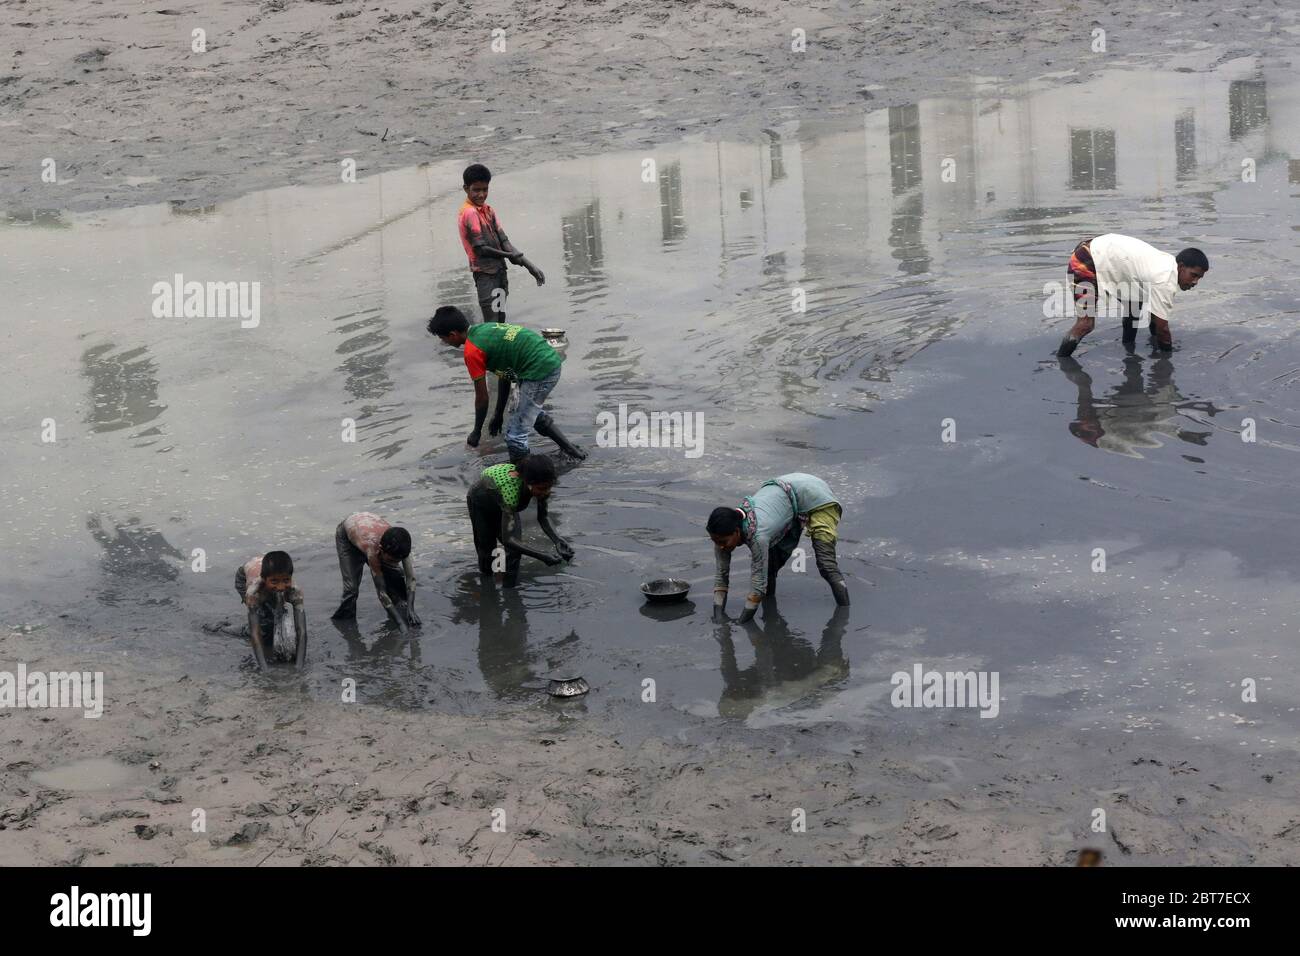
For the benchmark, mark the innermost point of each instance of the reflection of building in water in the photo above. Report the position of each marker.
(672, 212)
(584, 254)
(1132, 416)
(1092, 158)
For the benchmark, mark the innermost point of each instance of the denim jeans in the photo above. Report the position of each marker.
(531, 395)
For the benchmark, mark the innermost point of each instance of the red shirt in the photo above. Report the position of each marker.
(479, 225)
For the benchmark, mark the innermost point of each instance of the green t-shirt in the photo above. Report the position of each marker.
(509, 351)
(510, 487)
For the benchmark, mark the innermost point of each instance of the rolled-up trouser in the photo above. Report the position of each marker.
(485, 519)
(485, 285)
(352, 560)
(1082, 273)
(824, 522)
(532, 392)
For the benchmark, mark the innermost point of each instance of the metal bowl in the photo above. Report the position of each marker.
(567, 687)
(665, 590)
(555, 338)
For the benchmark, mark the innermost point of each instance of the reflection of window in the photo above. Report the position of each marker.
(671, 211)
(1092, 159)
(1247, 107)
(584, 254)
(1293, 168)
(904, 147)
(1185, 144)
(775, 157)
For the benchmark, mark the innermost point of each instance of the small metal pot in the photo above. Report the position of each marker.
(568, 687)
(556, 339)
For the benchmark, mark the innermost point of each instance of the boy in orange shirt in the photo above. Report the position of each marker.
(487, 246)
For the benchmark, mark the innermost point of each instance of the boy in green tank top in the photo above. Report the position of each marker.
(495, 503)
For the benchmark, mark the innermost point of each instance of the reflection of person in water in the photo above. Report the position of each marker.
(1135, 410)
(504, 657)
(786, 667)
(134, 552)
(392, 642)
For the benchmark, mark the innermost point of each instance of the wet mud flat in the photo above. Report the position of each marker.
(288, 89)
(1120, 691)
(285, 780)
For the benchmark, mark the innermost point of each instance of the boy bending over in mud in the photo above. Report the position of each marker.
(495, 502)
(365, 539)
(770, 522)
(265, 585)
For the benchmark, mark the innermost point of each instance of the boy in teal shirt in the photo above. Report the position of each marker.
(770, 522)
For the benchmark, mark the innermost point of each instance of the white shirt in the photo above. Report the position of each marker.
(1129, 270)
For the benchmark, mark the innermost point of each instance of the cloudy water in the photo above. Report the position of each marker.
(922, 289)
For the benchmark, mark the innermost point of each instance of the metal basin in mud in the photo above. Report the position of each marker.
(665, 590)
(568, 687)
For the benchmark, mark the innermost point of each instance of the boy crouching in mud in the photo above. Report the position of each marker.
(265, 585)
(770, 522)
(495, 502)
(367, 540)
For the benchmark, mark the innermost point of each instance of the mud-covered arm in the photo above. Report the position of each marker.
(480, 410)
(503, 399)
(1163, 334)
(381, 591)
(300, 628)
(512, 537)
(518, 258)
(255, 638)
(408, 573)
(758, 550)
(544, 521)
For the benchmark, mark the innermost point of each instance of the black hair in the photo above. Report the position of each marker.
(536, 470)
(477, 173)
(723, 521)
(1193, 259)
(276, 562)
(446, 320)
(396, 542)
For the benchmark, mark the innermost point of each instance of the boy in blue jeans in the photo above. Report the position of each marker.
(512, 352)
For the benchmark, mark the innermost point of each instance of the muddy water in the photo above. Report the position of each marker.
(924, 303)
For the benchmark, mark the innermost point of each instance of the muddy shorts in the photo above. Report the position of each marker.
(1083, 281)
(485, 286)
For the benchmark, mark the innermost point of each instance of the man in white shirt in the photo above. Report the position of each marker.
(1132, 278)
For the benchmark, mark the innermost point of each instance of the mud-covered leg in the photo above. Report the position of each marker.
(351, 563)
(829, 568)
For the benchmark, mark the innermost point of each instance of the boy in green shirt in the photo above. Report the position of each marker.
(512, 353)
